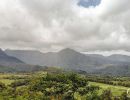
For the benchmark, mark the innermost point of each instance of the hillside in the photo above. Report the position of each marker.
(66, 58)
(13, 64)
(71, 59)
(8, 60)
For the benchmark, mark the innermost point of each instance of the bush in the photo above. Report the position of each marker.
(106, 95)
(19, 83)
(62, 84)
(124, 96)
(2, 86)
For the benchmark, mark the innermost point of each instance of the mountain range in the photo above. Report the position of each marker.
(13, 64)
(73, 60)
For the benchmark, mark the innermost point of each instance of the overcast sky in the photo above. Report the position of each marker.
(50, 25)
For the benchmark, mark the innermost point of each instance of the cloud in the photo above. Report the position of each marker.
(50, 25)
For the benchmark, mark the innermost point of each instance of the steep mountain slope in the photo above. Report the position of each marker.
(27, 56)
(7, 60)
(68, 59)
(12, 64)
(122, 58)
(120, 70)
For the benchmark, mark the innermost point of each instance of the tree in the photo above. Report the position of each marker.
(62, 85)
(124, 96)
(2, 86)
(93, 96)
(106, 95)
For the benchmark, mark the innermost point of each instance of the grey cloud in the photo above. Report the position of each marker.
(50, 25)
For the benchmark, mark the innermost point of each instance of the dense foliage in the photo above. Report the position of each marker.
(116, 81)
(54, 86)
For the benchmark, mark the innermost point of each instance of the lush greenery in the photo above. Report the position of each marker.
(116, 81)
(61, 86)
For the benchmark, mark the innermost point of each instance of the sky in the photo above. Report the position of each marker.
(51, 25)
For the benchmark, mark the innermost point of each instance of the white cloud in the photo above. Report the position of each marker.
(50, 25)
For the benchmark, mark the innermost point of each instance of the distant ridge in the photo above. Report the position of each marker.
(4, 58)
(13, 64)
(71, 59)
(67, 50)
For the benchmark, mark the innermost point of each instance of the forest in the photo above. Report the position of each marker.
(60, 85)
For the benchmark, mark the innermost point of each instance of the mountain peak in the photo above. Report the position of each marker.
(1, 50)
(67, 50)
(2, 53)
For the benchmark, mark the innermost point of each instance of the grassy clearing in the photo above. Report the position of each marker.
(6, 81)
(116, 90)
(8, 78)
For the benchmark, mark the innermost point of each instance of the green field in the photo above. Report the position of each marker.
(18, 80)
(8, 78)
(116, 90)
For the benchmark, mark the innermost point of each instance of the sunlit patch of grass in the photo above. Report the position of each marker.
(116, 90)
(8, 78)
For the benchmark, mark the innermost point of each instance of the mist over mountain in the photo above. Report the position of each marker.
(27, 56)
(118, 57)
(6, 60)
(71, 59)
(116, 70)
(13, 64)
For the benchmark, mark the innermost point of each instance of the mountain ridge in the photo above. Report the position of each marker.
(10, 63)
(70, 59)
